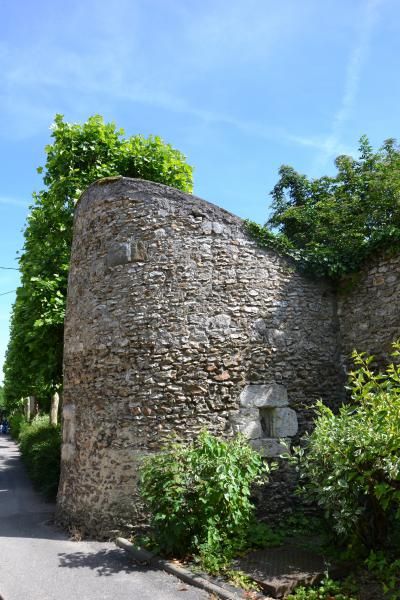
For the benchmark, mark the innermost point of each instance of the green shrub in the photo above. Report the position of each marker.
(326, 590)
(40, 445)
(198, 495)
(350, 464)
(387, 572)
(16, 421)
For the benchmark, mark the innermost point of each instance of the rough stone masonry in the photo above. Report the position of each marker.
(176, 321)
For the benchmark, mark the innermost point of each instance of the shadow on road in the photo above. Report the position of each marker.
(35, 525)
(23, 512)
(9, 462)
(104, 562)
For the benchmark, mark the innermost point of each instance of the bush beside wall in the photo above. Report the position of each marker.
(40, 445)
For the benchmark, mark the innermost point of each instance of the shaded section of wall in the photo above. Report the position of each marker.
(369, 309)
(173, 316)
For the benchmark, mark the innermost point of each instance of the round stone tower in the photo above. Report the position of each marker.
(177, 321)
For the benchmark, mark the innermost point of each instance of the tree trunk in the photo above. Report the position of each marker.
(31, 408)
(55, 400)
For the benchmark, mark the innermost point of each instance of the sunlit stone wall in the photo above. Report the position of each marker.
(177, 320)
(369, 309)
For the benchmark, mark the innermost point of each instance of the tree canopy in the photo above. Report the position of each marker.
(79, 155)
(330, 225)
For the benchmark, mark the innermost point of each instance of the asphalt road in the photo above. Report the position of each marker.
(39, 562)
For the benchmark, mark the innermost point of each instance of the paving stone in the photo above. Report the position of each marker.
(279, 570)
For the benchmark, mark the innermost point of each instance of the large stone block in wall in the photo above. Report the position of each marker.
(247, 421)
(283, 422)
(166, 297)
(264, 395)
(265, 418)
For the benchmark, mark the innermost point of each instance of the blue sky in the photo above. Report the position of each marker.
(240, 87)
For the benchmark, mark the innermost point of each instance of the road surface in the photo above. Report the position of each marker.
(39, 562)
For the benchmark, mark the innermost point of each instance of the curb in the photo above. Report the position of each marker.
(184, 574)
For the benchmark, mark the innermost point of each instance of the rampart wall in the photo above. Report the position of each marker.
(177, 320)
(369, 309)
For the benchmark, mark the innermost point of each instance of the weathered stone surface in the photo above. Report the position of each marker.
(68, 432)
(271, 447)
(284, 422)
(222, 376)
(119, 254)
(264, 417)
(168, 339)
(368, 309)
(271, 394)
(247, 422)
(67, 451)
(139, 251)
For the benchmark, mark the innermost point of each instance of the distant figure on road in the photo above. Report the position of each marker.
(5, 426)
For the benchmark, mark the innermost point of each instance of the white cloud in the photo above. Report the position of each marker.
(84, 77)
(9, 201)
(215, 37)
(118, 60)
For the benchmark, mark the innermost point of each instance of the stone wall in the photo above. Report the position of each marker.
(177, 320)
(369, 309)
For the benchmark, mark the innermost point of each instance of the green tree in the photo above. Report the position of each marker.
(330, 225)
(79, 155)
